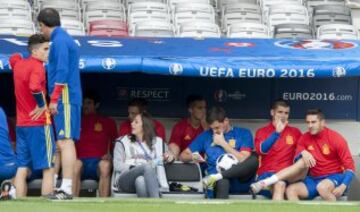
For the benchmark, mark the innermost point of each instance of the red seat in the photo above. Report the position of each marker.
(109, 33)
(108, 24)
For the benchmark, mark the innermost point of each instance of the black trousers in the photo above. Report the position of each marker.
(242, 171)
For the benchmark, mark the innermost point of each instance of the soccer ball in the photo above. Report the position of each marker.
(225, 162)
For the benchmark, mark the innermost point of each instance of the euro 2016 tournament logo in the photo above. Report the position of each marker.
(220, 95)
(108, 63)
(176, 69)
(339, 72)
(316, 44)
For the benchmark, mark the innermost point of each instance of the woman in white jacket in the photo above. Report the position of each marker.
(136, 157)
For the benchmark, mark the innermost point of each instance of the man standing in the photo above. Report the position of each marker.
(94, 147)
(223, 138)
(35, 143)
(186, 130)
(275, 144)
(66, 98)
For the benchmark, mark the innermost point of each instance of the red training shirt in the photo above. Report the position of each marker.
(96, 137)
(29, 77)
(330, 151)
(282, 152)
(183, 133)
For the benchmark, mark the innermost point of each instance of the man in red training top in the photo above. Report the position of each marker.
(186, 130)
(326, 154)
(331, 165)
(275, 144)
(135, 107)
(93, 150)
(35, 144)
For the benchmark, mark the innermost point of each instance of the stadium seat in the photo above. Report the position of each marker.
(186, 174)
(174, 3)
(266, 4)
(187, 17)
(14, 13)
(148, 7)
(293, 31)
(151, 29)
(73, 27)
(106, 14)
(337, 31)
(353, 4)
(199, 29)
(248, 30)
(109, 26)
(315, 3)
(240, 17)
(19, 4)
(331, 14)
(224, 3)
(141, 17)
(84, 3)
(289, 14)
(19, 27)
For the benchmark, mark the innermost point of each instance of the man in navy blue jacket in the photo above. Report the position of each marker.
(65, 94)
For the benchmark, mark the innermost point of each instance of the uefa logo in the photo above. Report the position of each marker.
(220, 95)
(176, 69)
(108, 63)
(82, 64)
(339, 71)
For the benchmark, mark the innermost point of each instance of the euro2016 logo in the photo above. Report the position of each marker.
(176, 69)
(108, 63)
(339, 72)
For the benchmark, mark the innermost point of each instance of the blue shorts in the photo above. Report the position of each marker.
(7, 171)
(312, 182)
(35, 147)
(67, 122)
(266, 191)
(90, 169)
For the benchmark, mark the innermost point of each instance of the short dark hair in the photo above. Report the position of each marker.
(34, 40)
(279, 102)
(92, 94)
(192, 98)
(317, 112)
(49, 17)
(141, 103)
(216, 113)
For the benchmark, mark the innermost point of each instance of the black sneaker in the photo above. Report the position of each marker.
(60, 195)
(5, 189)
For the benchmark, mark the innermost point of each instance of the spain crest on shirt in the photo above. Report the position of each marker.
(310, 148)
(289, 140)
(98, 127)
(232, 143)
(187, 138)
(325, 149)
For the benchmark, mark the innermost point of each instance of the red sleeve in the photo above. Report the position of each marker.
(56, 93)
(125, 128)
(176, 134)
(37, 78)
(300, 146)
(14, 59)
(343, 152)
(160, 130)
(297, 135)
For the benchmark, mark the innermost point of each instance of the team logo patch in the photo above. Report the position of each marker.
(232, 142)
(108, 63)
(61, 132)
(315, 44)
(98, 127)
(187, 138)
(176, 69)
(325, 149)
(221, 95)
(289, 140)
(339, 71)
(310, 148)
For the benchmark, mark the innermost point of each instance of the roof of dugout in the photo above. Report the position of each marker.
(220, 58)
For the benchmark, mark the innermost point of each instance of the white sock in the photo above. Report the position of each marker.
(55, 180)
(12, 192)
(218, 176)
(271, 180)
(66, 185)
